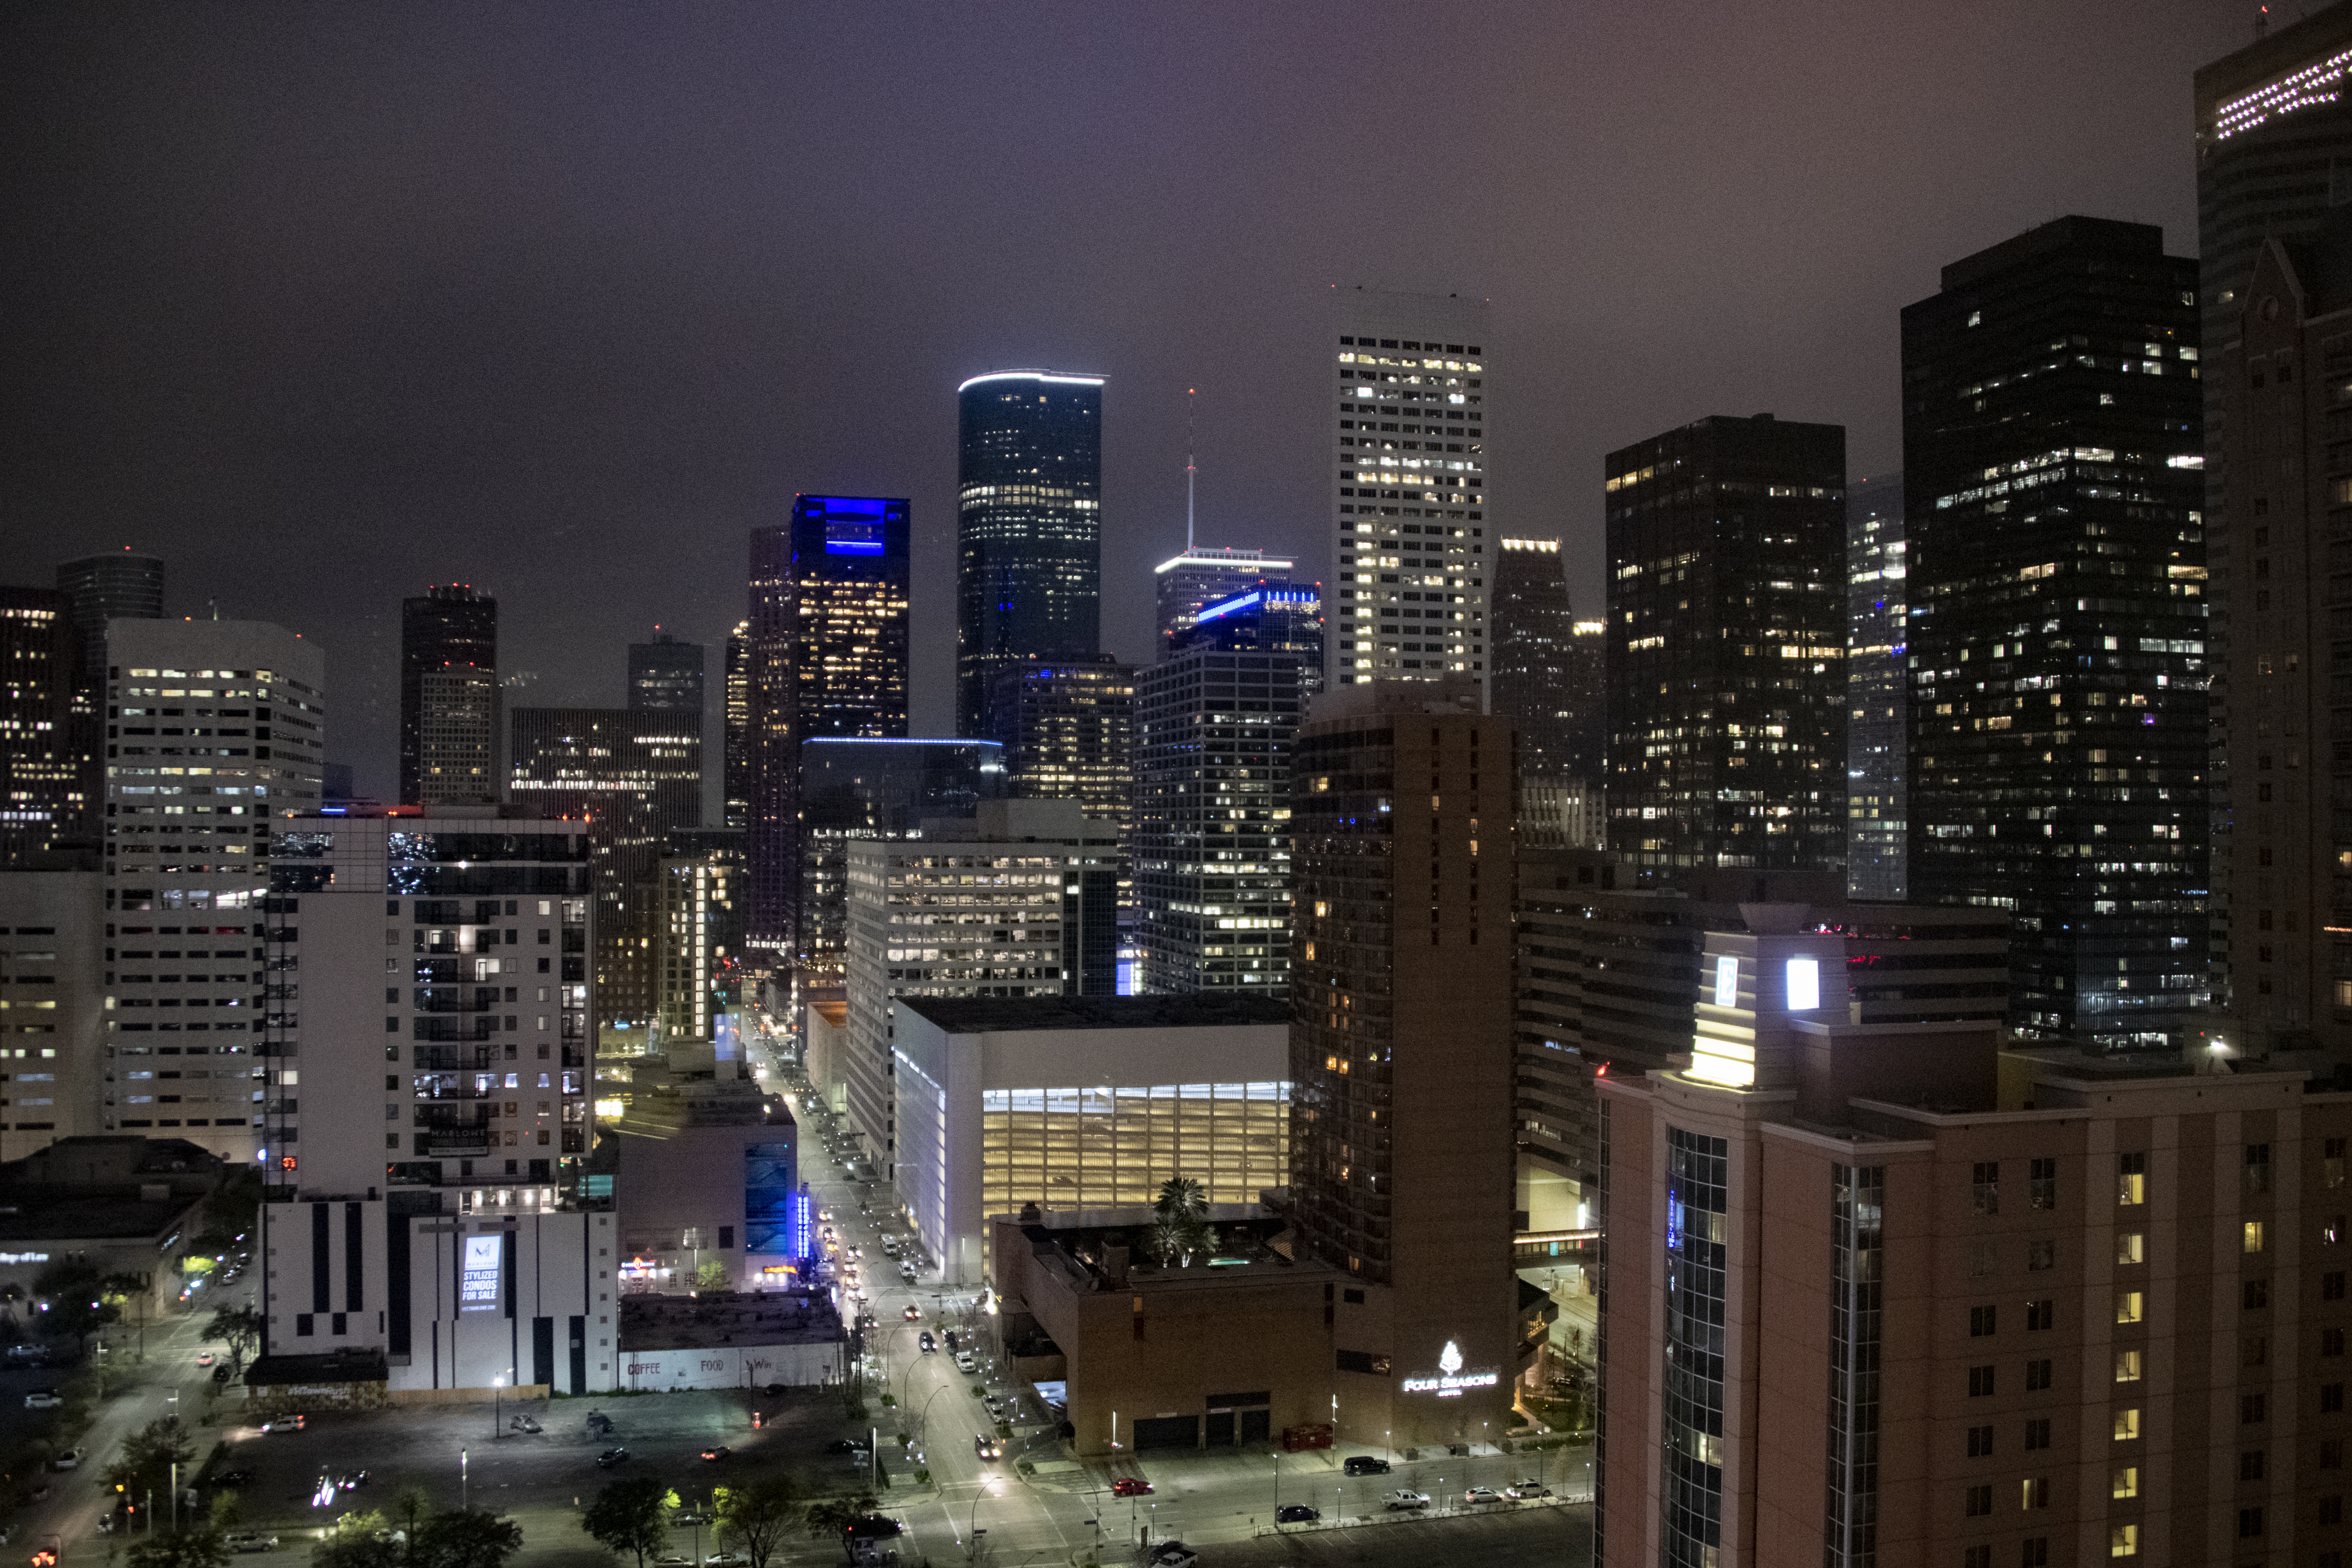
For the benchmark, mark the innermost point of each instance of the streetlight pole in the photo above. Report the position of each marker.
(464, 1494)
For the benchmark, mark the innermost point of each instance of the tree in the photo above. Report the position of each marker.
(147, 1458)
(756, 1517)
(464, 1538)
(833, 1515)
(357, 1541)
(239, 1326)
(711, 1275)
(1180, 1230)
(1181, 1198)
(182, 1549)
(73, 1299)
(626, 1517)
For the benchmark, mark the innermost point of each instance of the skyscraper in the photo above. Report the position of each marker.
(1028, 529)
(459, 713)
(1401, 1049)
(215, 735)
(1538, 676)
(1727, 647)
(1410, 466)
(1271, 617)
(1212, 831)
(44, 766)
(665, 674)
(736, 751)
(2055, 557)
(2285, 947)
(1877, 689)
(852, 789)
(1201, 575)
(1067, 728)
(451, 625)
(115, 587)
(827, 656)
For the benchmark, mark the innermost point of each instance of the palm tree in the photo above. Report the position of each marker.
(1181, 1230)
(1181, 1198)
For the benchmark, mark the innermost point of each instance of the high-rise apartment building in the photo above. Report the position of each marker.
(121, 585)
(55, 1072)
(450, 624)
(667, 674)
(1544, 677)
(1211, 830)
(736, 749)
(852, 790)
(45, 772)
(1020, 899)
(458, 729)
(1885, 1294)
(1401, 1050)
(2286, 962)
(827, 656)
(1028, 529)
(1068, 732)
(1413, 530)
(2055, 560)
(1727, 647)
(701, 943)
(430, 1103)
(1877, 690)
(215, 734)
(1201, 575)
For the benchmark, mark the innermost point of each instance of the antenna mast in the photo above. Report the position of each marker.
(1190, 467)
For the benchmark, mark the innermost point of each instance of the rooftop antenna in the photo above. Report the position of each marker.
(1191, 468)
(2262, 21)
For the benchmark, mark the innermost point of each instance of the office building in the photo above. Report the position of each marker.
(1727, 647)
(1560, 813)
(121, 585)
(876, 789)
(1201, 575)
(1028, 529)
(1068, 733)
(1082, 1102)
(215, 735)
(1212, 834)
(450, 624)
(1272, 616)
(1878, 689)
(828, 658)
(1546, 678)
(1401, 1050)
(46, 772)
(2055, 561)
(736, 752)
(1889, 1294)
(428, 1226)
(54, 1071)
(631, 776)
(700, 946)
(1020, 899)
(667, 674)
(2286, 960)
(458, 728)
(1414, 528)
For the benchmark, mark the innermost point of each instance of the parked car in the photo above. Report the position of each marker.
(928, 1343)
(249, 1541)
(68, 1460)
(844, 1446)
(1295, 1513)
(612, 1456)
(1131, 1486)
(44, 1399)
(1365, 1465)
(955, 1342)
(286, 1424)
(987, 1446)
(717, 1452)
(1172, 1554)
(205, 1358)
(874, 1526)
(688, 1519)
(228, 1480)
(727, 1560)
(1482, 1494)
(221, 1373)
(965, 1363)
(1402, 1499)
(1522, 1490)
(673, 1559)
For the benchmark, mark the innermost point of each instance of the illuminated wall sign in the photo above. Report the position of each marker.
(477, 1289)
(1726, 981)
(1451, 1379)
(23, 1257)
(1804, 984)
(852, 526)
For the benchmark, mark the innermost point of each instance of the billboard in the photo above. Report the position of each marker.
(477, 1283)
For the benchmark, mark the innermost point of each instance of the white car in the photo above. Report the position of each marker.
(727, 1560)
(68, 1460)
(43, 1399)
(1406, 1500)
(247, 1541)
(965, 1363)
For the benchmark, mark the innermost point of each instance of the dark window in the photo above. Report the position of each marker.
(1979, 1442)
(2036, 1553)
(304, 1324)
(2331, 1342)
(2258, 1167)
(2041, 1315)
(2253, 1409)
(1980, 1502)
(2257, 1293)
(2037, 1433)
(2331, 1398)
(2037, 1375)
(2043, 1193)
(1988, 1187)
(1981, 1321)
(1353, 1297)
(1355, 1360)
(2331, 1509)
(1977, 1557)
(726, 1237)
(2331, 1286)
(2250, 1523)
(1979, 1382)
(2252, 1464)
(2331, 1453)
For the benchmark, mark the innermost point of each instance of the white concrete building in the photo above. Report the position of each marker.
(54, 1077)
(1083, 1102)
(212, 730)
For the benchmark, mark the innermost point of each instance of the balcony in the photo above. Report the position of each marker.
(453, 1143)
(449, 1059)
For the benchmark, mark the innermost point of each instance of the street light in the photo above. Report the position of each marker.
(497, 1387)
(465, 1496)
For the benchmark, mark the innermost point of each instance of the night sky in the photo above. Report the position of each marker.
(323, 303)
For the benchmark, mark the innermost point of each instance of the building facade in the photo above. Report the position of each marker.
(1212, 831)
(460, 761)
(1409, 464)
(1727, 647)
(1401, 1050)
(1272, 616)
(1021, 900)
(876, 789)
(701, 944)
(665, 674)
(214, 735)
(54, 1073)
(122, 585)
(450, 624)
(2054, 536)
(1028, 529)
(735, 724)
(1545, 678)
(1068, 733)
(1201, 575)
(1878, 689)
(45, 751)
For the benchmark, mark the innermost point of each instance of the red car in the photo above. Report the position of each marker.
(1128, 1486)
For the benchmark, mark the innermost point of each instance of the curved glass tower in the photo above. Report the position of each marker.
(1028, 528)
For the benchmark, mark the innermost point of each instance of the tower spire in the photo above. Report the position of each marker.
(1191, 468)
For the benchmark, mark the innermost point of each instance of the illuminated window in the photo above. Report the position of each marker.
(1804, 984)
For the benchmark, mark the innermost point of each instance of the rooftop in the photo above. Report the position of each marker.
(1004, 1015)
(657, 1323)
(351, 1365)
(1106, 1252)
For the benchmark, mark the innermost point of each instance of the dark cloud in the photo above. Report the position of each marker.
(325, 303)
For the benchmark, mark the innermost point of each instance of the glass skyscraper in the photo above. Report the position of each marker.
(1201, 577)
(826, 652)
(451, 625)
(1877, 691)
(1028, 529)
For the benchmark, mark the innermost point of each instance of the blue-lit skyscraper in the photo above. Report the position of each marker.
(1028, 529)
(827, 650)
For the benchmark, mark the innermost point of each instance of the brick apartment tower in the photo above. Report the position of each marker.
(1883, 1293)
(1401, 1052)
